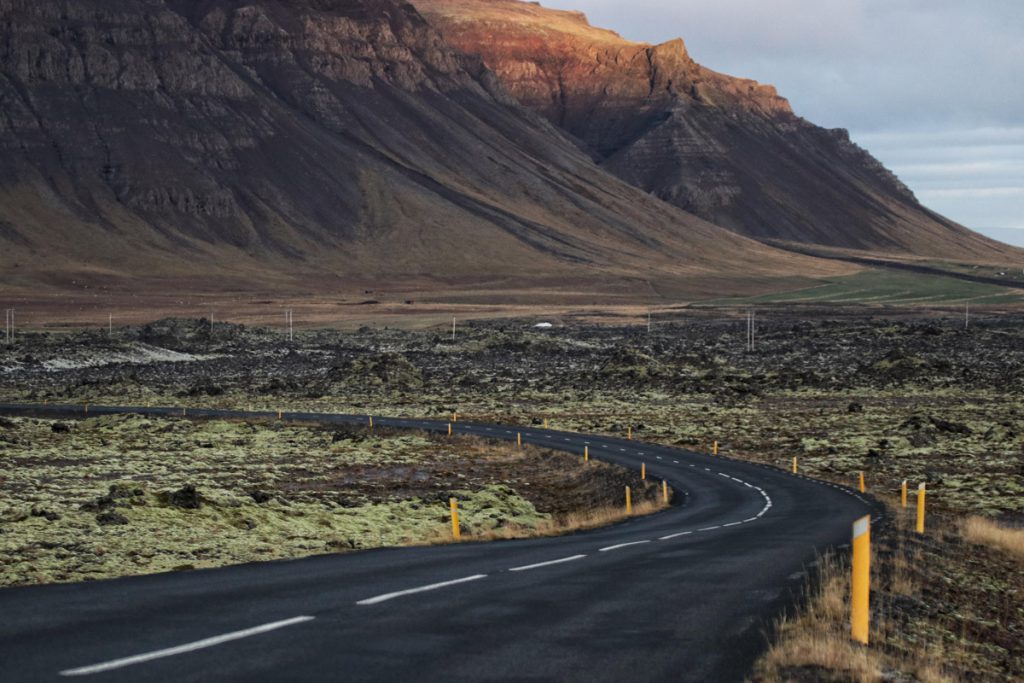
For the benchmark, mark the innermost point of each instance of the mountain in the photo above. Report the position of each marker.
(194, 143)
(727, 149)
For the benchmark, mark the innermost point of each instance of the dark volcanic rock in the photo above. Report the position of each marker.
(186, 498)
(110, 518)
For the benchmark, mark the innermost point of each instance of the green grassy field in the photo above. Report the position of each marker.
(889, 287)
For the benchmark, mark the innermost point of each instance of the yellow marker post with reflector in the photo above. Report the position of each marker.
(545, 423)
(903, 493)
(519, 439)
(664, 491)
(455, 417)
(714, 448)
(449, 429)
(920, 509)
(629, 432)
(643, 471)
(794, 464)
(862, 482)
(860, 591)
(371, 421)
(586, 453)
(629, 503)
(454, 506)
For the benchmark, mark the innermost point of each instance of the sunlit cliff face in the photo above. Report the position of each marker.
(555, 61)
(728, 149)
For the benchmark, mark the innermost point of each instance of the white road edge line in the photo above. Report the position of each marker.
(182, 649)
(621, 545)
(545, 564)
(434, 586)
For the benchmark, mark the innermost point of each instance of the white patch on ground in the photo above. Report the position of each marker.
(136, 353)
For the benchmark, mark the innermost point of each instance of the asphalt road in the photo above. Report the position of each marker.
(684, 595)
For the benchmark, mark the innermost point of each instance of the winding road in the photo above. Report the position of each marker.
(687, 594)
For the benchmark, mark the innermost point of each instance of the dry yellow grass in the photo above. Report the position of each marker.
(984, 531)
(556, 526)
(818, 638)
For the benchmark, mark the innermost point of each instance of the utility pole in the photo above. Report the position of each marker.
(750, 330)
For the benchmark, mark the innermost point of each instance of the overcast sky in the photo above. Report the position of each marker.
(934, 88)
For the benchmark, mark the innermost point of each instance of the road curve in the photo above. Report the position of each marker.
(684, 595)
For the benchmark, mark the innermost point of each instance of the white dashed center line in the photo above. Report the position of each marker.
(621, 545)
(421, 589)
(182, 649)
(546, 564)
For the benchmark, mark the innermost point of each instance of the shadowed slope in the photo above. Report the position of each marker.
(270, 141)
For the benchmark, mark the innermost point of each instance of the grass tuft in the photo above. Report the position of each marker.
(984, 531)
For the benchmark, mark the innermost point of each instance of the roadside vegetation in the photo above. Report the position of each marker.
(946, 606)
(117, 495)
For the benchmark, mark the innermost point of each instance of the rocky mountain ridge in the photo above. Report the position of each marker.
(728, 149)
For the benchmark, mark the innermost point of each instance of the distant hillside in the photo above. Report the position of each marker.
(727, 149)
(212, 141)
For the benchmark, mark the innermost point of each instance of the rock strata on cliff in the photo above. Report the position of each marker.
(727, 149)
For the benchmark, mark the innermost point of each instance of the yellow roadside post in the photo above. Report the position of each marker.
(714, 448)
(586, 453)
(920, 509)
(455, 417)
(643, 471)
(454, 506)
(903, 493)
(545, 423)
(664, 491)
(794, 464)
(862, 482)
(519, 439)
(629, 503)
(860, 591)
(449, 429)
(629, 432)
